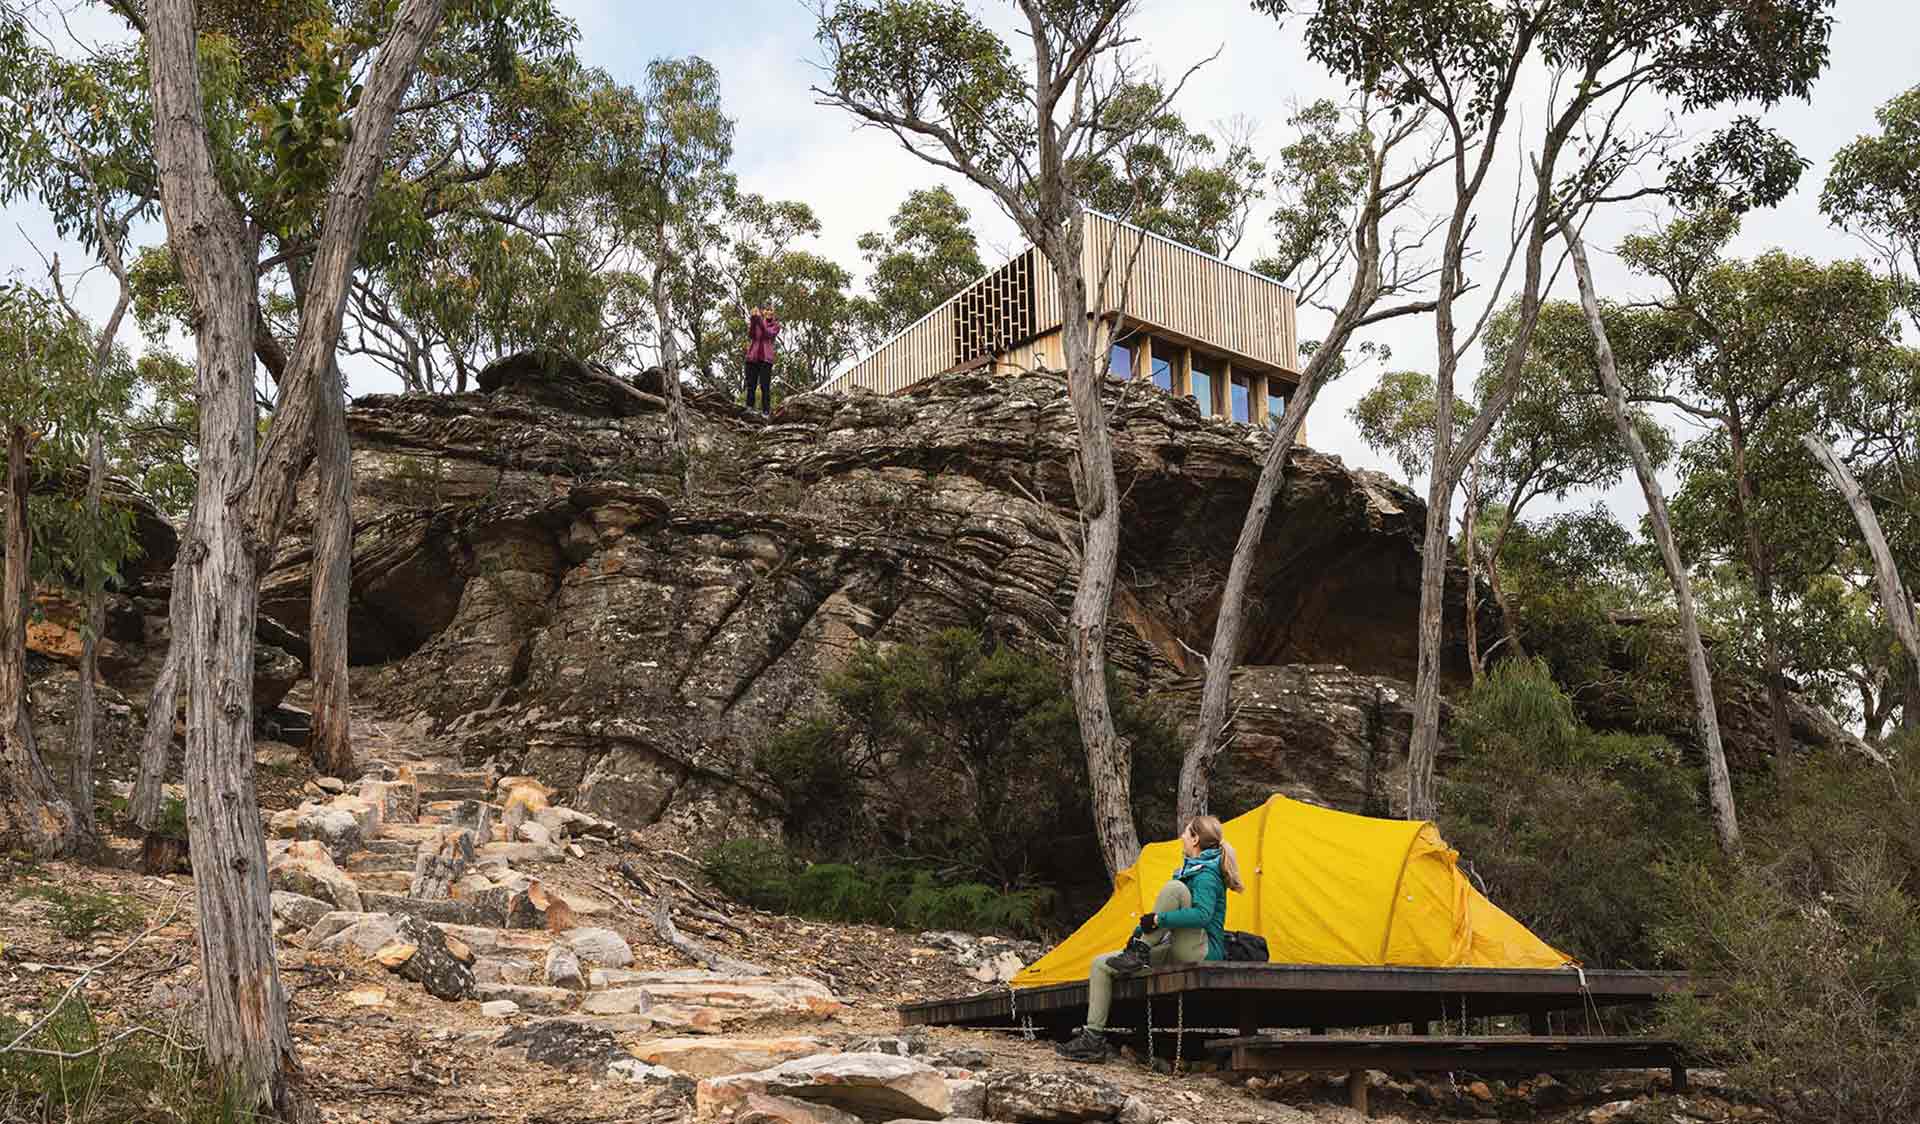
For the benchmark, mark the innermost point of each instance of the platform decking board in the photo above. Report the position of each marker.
(1488, 1053)
(1296, 995)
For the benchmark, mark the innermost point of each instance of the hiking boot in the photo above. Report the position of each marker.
(1136, 957)
(1087, 1046)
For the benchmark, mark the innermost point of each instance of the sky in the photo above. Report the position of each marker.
(789, 147)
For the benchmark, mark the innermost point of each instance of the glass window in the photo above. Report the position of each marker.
(1203, 385)
(1242, 404)
(1276, 405)
(1162, 371)
(1121, 363)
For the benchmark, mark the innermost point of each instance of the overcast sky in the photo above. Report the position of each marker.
(789, 147)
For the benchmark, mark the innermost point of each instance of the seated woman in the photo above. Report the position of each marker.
(1188, 924)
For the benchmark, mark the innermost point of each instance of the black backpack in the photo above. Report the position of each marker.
(1246, 946)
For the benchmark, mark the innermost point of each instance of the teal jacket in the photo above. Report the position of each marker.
(1209, 909)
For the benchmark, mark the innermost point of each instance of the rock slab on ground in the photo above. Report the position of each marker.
(876, 1086)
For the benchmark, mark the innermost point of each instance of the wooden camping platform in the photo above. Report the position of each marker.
(1254, 997)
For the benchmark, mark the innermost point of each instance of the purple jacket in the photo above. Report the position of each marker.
(761, 331)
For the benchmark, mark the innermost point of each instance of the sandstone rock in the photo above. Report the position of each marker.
(331, 925)
(877, 1085)
(969, 1098)
(531, 997)
(563, 969)
(331, 785)
(726, 998)
(298, 911)
(433, 961)
(720, 1057)
(307, 868)
(334, 828)
(600, 947)
(763, 1108)
(499, 1008)
(1051, 1098)
(962, 1057)
(570, 1044)
(534, 833)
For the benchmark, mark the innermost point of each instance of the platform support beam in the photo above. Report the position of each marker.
(1357, 1090)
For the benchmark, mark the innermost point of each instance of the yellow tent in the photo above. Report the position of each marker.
(1325, 887)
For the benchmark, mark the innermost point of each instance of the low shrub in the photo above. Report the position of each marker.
(957, 752)
(1814, 941)
(768, 877)
(78, 913)
(1566, 828)
(111, 1076)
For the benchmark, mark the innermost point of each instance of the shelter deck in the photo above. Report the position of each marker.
(1255, 997)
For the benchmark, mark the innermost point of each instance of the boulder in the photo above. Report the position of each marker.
(969, 1098)
(602, 948)
(297, 911)
(724, 998)
(335, 828)
(531, 997)
(563, 969)
(880, 1086)
(721, 1057)
(763, 1108)
(307, 868)
(421, 952)
(366, 932)
(570, 1044)
(1051, 1098)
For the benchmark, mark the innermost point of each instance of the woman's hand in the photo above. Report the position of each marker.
(1149, 922)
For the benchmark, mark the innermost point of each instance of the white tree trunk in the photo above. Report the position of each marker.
(81, 739)
(1895, 602)
(1726, 821)
(1109, 757)
(240, 507)
(163, 702)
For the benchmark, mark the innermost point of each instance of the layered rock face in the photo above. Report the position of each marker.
(534, 577)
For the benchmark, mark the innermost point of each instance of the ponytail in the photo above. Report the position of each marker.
(1208, 832)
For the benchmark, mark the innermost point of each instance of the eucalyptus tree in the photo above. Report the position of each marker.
(76, 127)
(1348, 187)
(44, 375)
(928, 253)
(1751, 350)
(948, 88)
(1465, 60)
(1195, 188)
(243, 501)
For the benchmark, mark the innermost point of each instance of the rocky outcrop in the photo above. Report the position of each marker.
(533, 577)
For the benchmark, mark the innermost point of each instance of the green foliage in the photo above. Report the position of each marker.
(1173, 179)
(768, 877)
(126, 1073)
(1321, 176)
(1567, 828)
(928, 254)
(1815, 941)
(957, 751)
(78, 913)
(935, 61)
(1873, 185)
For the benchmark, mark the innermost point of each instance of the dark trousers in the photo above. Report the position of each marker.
(760, 374)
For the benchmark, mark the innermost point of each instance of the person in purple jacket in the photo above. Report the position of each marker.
(762, 328)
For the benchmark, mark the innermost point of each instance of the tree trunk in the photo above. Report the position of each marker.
(1509, 620)
(163, 701)
(1760, 561)
(1109, 757)
(80, 742)
(670, 377)
(1196, 766)
(82, 739)
(1473, 592)
(1423, 749)
(1895, 602)
(1726, 822)
(34, 817)
(332, 745)
(241, 505)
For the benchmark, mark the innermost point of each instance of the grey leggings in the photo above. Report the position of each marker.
(1170, 946)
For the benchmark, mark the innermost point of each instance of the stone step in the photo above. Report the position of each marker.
(362, 863)
(382, 881)
(406, 835)
(533, 998)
